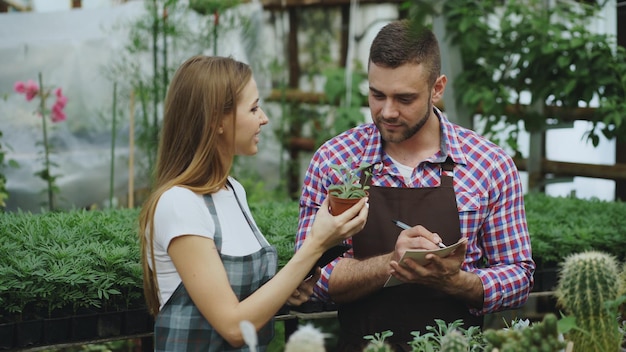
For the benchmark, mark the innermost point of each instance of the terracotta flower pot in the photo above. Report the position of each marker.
(339, 205)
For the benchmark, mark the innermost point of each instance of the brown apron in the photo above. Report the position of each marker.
(408, 307)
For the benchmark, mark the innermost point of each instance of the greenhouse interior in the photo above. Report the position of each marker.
(84, 85)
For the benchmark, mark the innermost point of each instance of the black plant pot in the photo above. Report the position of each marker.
(56, 330)
(109, 324)
(284, 310)
(546, 276)
(29, 333)
(84, 327)
(309, 307)
(329, 307)
(137, 321)
(7, 336)
(549, 278)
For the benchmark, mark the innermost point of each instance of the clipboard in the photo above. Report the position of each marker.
(419, 255)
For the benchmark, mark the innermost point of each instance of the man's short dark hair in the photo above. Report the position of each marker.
(403, 41)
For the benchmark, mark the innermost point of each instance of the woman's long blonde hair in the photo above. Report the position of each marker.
(202, 97)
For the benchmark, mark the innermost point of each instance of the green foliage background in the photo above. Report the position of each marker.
(545, 50)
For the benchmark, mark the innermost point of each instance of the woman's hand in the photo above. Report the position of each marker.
(303, 293)
(329, 230)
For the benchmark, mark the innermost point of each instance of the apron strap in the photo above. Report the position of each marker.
(208, 200)
(253, 227)
(447, 174)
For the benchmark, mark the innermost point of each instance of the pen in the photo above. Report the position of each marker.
(404, 226)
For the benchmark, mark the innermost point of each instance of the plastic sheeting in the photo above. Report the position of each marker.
(71, 49)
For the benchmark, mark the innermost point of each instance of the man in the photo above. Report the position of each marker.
(447, 182)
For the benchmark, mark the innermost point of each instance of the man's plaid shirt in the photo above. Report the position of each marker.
(489, 199)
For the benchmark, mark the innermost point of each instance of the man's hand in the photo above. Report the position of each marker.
(443, 274)
(417, 237)
(304, 290)
(439, 273)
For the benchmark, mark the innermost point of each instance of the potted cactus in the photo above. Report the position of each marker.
(622, 299)
(350, 187)
(588, 289)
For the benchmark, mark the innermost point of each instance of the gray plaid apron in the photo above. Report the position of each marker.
(180, 326)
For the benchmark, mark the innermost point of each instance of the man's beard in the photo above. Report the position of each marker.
(410, 132)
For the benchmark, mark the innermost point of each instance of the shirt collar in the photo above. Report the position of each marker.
(450, 145)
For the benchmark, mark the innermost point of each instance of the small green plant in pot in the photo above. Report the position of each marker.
(454, 341)
(350, 188)
(377, 342)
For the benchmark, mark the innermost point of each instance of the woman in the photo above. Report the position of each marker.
(206, 265)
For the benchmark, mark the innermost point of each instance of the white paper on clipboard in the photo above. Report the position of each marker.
(419, 256)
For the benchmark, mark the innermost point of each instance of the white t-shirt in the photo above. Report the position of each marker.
(180, 211)
(405, 171)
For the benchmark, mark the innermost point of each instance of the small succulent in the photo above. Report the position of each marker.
(350, 186)
(306, 339)
(526, 336)
(377, 342)
(455, 341)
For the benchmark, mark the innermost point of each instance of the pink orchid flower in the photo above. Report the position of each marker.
(30, 88)
(57, 114)
(19, 87)
(57, 109)
(61, 101)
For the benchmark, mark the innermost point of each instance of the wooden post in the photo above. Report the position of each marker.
(620, 144)
(295, 130)
(536, 153)
(345, 35)
(131, 151)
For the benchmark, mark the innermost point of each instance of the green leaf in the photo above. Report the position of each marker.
(566, 324)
